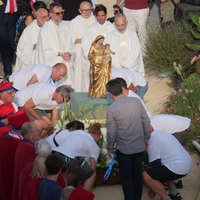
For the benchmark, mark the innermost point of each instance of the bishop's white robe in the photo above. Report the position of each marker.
(90, 35)
(127, 50)
(25, 52)
(53, 39)
(78, 26)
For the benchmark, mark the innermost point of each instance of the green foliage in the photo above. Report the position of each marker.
(196, 20)
(167, 45)
(186, 102)
(195, 32)
(193, 47)
(84, 115)
(66, 115)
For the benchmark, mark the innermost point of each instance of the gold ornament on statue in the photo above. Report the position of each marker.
(100, 67)
(1, 3)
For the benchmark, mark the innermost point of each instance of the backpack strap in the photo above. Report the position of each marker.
(54, 138)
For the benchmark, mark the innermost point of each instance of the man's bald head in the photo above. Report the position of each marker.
(29, 131)
(59, 71)
(85, 9)
(84, 3)
(42, 16)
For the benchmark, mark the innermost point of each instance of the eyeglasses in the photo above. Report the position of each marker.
(59, 13)
(86, 10)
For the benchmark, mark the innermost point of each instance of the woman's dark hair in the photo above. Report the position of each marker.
(24, 7)
(39, 4)
(99, 8)
(75, 125)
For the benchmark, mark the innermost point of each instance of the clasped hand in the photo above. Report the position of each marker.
(66, 56)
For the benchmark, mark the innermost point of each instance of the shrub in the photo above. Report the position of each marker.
(167, 45)
(186, 102)
(195, 31)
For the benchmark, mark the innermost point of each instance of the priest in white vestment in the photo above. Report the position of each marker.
(100, 27)
(125, 43)
(28, 40)
(78, 26)
(55, 43)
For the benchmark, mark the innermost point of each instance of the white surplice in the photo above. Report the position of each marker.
(127, 50)
(25, 52)
(78, 26)
(90, 35)
(53, 39)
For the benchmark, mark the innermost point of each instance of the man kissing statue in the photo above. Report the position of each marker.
(100, 67)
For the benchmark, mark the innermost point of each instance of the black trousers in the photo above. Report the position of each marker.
(130, 166)
(7, 37)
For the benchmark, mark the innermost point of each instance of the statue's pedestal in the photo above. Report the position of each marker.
(92, 110)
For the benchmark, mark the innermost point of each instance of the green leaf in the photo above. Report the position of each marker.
(193, 47)
(195, 19)
(195, 34)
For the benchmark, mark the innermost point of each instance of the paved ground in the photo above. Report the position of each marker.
(191, 184)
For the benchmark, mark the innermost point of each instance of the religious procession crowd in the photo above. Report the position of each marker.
(84, 53)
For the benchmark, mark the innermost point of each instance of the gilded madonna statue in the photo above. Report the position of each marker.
(100, 67)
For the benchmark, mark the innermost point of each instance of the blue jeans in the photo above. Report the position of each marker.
(141, 91)
(130, 166)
